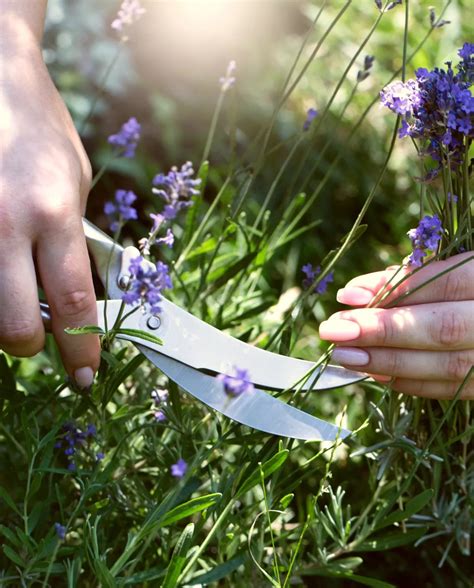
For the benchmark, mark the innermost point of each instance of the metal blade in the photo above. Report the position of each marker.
(256, 409)
(201, 346)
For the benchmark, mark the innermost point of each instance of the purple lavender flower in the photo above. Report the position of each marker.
(426, 236)
(179, 468)
(467, 51)
(228, 80)
(433, 23)
(73, 439)
(178, 186)
(159, 416)
(392, 5)
(127, 138)
(100, 456)
(146, 284)
(130, 11)
(238, 384)
(364, 73)
(159, 396)
(378, 3)
(160, 399)
(60, 531)
(311, 274)
(311, 114)
(436, 107)
(121, 210)
(168, 239)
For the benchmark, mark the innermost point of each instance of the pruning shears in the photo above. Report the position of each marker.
(193, 353)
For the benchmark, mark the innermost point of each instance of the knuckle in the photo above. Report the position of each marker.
(22, 337)
(459, 365)
(455, 286)
(384, 328)
(394, 364)
(451, 330)
(74, 304)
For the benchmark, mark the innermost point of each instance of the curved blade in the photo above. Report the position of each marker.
(256, 409)
(203, 347)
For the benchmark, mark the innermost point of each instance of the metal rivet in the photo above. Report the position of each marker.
(123, 282)
(153, 323)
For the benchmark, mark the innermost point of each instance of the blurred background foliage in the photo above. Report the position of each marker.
(167, 76)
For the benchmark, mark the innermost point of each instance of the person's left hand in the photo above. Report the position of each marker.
(425, 342)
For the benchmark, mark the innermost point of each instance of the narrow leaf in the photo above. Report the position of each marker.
(137, 333)
(86, 330)
(189, 508)
(270, 466)
(178, 558)
(412, 507)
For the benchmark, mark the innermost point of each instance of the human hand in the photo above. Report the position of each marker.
(45, 178)
(425, 342)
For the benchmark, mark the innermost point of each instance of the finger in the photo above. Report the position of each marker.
(442, 326)
(407, 364)
(443, 285)
(66, 275)
(437, 390)
(21, 329)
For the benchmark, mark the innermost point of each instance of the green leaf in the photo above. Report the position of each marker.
(189, 508)
(412, 507)
(86, 330)
(270, 466)
(373, 582)
(8, 499)
(8, 551)
(205, 247)
(345, 564)
(219, 572)
(178, 559)
(142, 577)
(357, 234)
(118, 375)
(222, 276)
(391, 540)
(10, 535)
(285, 500)
(137, 333)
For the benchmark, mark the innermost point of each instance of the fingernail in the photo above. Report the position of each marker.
(84, 377)
(354, 296)
(380, 378)
(350, 356)
(339, 330)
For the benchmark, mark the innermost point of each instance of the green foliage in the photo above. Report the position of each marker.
(383, 509)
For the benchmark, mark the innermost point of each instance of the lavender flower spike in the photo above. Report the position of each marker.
(146, 284)
(228, 80)
(121, 210)
(426, 236)
(127, 138)
(311, 114)
(60, 531)
(311, 274)
(238, 384)
(130, 11)
(179, 468)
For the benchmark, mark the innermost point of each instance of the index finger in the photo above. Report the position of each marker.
(438, 281)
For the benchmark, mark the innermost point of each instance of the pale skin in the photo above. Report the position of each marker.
(426, 344)
(45, 179)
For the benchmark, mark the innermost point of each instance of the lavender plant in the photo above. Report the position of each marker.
(164, 492)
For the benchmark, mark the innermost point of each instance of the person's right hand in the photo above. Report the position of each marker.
(45, 178)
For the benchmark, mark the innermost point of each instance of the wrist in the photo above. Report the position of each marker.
(22, 29)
